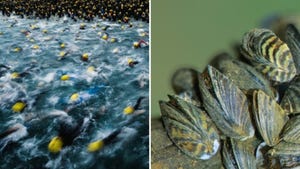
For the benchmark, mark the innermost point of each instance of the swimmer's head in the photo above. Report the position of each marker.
(128, 110)
(62, 53)
(55, 145)
(105, 37)
(112, 40)
(74, 97)
(85, 57)
(35, 47)
(14, 75)
(95, 146)
(136, 45)
(18, 106)
(91, 69)
(62, 45)
(64, 77)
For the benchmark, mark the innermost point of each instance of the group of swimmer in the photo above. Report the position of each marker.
(112, 10)
(68, 131)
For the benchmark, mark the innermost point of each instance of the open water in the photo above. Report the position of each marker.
(105, 85)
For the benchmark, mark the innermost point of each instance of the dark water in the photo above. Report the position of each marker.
(105, 85)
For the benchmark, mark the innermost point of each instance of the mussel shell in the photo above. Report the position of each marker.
(269, 117)
(242, 74)
(288, 154)
(189, 128)
(269, 55)
(238, 154)
(291, 131)
(226, 104)
(185, 80)
(293, 42)
(291, 99)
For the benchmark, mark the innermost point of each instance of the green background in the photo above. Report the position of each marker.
(188, 33)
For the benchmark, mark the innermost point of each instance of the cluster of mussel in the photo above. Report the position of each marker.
(246, 108)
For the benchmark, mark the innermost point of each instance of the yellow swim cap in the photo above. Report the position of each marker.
(85, 57)
(112, 40)
(45, 31)
(91, 69)
(136, 44)
(35, 47)
(55, 145)
(74, 97)
(62, 45)
(15, 75)
(128, 110)
(18, 107)
(17, 49)
(104, 37)
(32, 40)
(65, 77)
(62, 53)
(99, 33)
(129, 61)
(95, 146)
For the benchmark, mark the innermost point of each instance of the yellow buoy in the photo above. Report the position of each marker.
(55, 145)
(18, 107)
(95, 146)
(64, 77)
(128, 110)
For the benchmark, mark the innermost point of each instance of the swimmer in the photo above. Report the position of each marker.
(140, 44)
(12, 134)
(132, 63)
(135, 109)
(67, 132)
(17, 75)
(104, 28)
(82, 26)
(97, 145)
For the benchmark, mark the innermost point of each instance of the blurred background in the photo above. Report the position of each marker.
(189, 33)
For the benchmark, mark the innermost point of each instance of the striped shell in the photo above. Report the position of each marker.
(269, 116)
(291, 131)
(227, 106)
(242, 74)
(238, 154)
(291, 99)
(269, 55)
(293, 42)
(189, 128)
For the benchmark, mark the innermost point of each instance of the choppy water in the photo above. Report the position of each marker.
(105, 92)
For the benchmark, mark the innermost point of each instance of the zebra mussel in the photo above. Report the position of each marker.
(247, 106)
